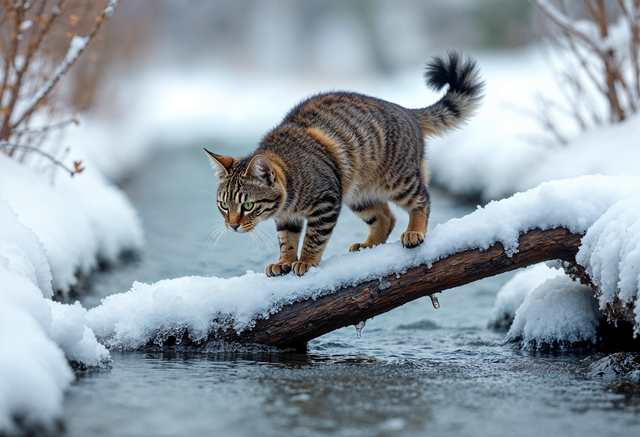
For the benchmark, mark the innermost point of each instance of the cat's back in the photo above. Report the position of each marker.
(355, 128)
(343, 110)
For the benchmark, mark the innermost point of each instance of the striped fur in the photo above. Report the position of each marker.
(345, 148)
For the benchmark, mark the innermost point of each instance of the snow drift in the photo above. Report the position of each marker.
(38, 337)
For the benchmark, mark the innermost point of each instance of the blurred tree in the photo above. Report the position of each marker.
(505, 23)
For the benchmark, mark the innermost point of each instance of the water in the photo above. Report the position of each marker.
(414, 371)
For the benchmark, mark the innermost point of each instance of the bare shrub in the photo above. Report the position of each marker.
(39, 42)
(599, 42)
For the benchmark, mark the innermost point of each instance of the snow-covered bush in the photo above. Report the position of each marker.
(599, 75)
(38, 45)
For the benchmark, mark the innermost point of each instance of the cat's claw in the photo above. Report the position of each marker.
(301, 267)
(411, 239)
(278, 269)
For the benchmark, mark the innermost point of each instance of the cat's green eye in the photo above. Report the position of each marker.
(247, 206)
(224, 205)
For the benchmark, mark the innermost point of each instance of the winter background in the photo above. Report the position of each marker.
(172, 77)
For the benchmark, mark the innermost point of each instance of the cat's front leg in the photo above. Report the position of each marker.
(288, 238)
(319, 228)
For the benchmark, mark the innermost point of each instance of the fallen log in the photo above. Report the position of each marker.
(297, 323)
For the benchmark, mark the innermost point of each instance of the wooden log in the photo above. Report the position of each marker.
(297, 323)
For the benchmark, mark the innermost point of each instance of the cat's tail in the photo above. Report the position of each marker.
(462, 99)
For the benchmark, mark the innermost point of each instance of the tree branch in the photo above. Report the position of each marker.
(76, 47)
(77, 164)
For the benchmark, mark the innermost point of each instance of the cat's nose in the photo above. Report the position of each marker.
(235, 227)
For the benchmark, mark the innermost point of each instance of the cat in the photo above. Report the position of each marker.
(345, 148)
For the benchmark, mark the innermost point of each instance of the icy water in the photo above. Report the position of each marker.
(415, 371)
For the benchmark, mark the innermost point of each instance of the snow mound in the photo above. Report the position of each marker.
(610, 252)
(514, 292)
(23, 252)
(198, 305)
(79, 220)
(34, 372)
(33, 369)
(559, 312)
(69, 331)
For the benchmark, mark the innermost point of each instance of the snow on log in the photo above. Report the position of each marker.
(297, 323)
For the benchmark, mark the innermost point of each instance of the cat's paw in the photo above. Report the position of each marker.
(278, 269)
(411, 239)
(356, 247)
(301, 267)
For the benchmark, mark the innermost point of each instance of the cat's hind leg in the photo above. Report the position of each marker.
(288, 238)
(379, 219)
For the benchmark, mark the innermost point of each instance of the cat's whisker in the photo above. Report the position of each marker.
(215, 230)
(256, 242)
(211, 194)
(221, 234)
(265, 237)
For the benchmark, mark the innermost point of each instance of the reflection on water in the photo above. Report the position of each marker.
(415, 370)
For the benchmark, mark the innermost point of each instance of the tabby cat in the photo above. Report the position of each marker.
(343, 147)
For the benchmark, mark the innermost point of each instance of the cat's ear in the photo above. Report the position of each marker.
(221, 163)
(260, 168)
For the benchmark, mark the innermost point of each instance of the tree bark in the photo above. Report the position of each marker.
(297, 323)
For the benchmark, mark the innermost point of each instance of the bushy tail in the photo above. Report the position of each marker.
(462, 98)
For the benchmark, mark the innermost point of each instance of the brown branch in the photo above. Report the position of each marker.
(9, 61)
(66, 64)
(300, 322)
(632, 13)
(12, 146)
(6, 129)
(45, 129)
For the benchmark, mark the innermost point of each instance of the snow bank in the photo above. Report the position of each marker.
(33, 368)
(514, 292)
(559, 312)
(79, 220)
(611, 254)
(154, 312)
(34, 372)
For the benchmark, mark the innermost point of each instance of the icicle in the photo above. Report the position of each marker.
(434, 301)
(359, 327)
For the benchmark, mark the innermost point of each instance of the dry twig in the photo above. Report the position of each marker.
(39, 42)
(606, 70)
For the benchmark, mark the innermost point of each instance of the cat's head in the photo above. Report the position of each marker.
(249, 190)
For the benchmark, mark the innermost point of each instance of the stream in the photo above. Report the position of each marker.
(415, 371)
